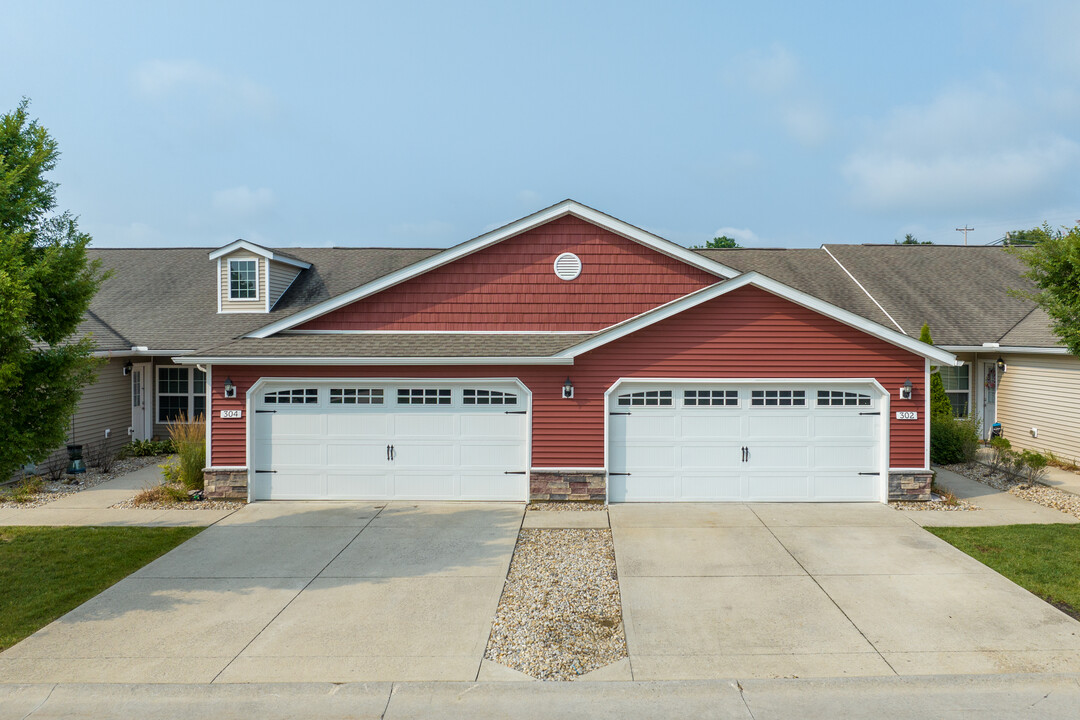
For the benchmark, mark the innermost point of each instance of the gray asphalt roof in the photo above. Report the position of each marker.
(441, 345)
(166, 298)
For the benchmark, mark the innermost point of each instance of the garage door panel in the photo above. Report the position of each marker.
(709, 425)
(355, 485)
(847, 456)
(696, 456)
(641, 487)
(419, 425)
(354, 454)
(493, 427)
(713, 486)
(417, 485)
(289, 485)
(791, 487)
(771, 425)
(651, 456)
(283, 423)
(490, 455)
(365, 423)
(846, 426)
(774, 456)
(489, 486)
(293, 452)
(644, 425)
(846, 487)
(410, 454)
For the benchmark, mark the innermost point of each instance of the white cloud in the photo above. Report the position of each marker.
(776, 77)
(242, 201)
(190, 81)
(744, 236)
(967, 149)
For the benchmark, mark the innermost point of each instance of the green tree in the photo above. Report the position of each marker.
(718, 243)
(910, 239)
(46, 284)
(1054, 266)
(1029, 237)
(939, 399)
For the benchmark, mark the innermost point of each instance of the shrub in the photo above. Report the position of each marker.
(146, 448)
(26, 489)
(1032, 467)
(53, 468)
(189, 439)
(953, 441)
(1000, 449)
(159, 494)
(100, 455)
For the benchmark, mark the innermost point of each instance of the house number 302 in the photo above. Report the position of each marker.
(232, 414)
(907, 415)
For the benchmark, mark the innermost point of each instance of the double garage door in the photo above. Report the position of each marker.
(703, 441)
(414, 441)
(746, 442)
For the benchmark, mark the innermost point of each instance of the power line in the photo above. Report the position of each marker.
(965, 230)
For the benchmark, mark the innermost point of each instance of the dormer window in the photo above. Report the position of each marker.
(243, 279)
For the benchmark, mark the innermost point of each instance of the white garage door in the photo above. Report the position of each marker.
(406, 440)
(750, 442)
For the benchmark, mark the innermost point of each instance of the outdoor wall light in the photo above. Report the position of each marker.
(127, 367)
(905, 391)
(1001, 366)
(568, 389)
(230, 388)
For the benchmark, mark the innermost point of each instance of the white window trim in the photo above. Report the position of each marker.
(967, 392)
(229, 277)
(191, 394)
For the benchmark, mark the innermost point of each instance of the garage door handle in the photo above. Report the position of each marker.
(618, 413)
(513, 472)
(870, 413)
(877, 473)
(266, 411)
(611, 473)
(269, 471)
(514, 412)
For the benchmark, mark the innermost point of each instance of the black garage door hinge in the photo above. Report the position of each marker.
(619, 413)
(870, 413)
(266, 411)
(514, 412)
(611, 473)
(269, 471)
(877, 473)
(513, 472)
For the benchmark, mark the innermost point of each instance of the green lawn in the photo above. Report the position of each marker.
(1045, 559)
(47, 571)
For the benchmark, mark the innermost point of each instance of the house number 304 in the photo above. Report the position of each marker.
(232, 414)
(907, 415)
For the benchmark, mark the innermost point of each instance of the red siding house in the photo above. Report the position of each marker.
(568, 355)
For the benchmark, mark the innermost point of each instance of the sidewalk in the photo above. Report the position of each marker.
(94, 507)
(996, 507)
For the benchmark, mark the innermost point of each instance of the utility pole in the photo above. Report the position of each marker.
(965, 230)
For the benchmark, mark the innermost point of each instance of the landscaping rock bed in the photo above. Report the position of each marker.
(560, 614)
(190, 505)
(567, 506)
(1041, 494)
(71, 484)
(936, 502)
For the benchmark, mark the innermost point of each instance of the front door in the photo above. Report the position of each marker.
(988, 410)
(141, 412)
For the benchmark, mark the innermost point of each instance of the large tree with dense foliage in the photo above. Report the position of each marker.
(46, 284)
(1053, 263)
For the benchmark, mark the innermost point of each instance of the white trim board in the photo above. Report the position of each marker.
(1016, 350)
(566, 207)
(293, 360)
(258, 250)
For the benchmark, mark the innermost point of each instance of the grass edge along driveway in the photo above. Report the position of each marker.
(48, 571)
(1043, 559)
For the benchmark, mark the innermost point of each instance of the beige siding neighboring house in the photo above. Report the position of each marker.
(1041, 392)
(105, 405)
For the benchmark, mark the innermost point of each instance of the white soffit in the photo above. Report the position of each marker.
(566, 207)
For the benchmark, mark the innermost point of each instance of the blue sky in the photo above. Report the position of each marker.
(425, 124)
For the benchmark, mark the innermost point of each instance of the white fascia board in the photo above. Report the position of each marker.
(776, 288)
(258, 250)
(1006, 349)
(291, 360)
(566, 207)
(137, 353)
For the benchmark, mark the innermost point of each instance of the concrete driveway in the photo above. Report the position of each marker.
(294, 592)
(782, 590)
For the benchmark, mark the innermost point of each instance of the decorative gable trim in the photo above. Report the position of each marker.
(566, 207)
(776, 288)
(260, 251)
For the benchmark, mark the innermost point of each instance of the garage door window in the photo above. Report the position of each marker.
(423, 396)
(488, 397)
(293, 396)
(839, 398)
(778, 398)
(701, 398)
(646, 398)
(356, 396)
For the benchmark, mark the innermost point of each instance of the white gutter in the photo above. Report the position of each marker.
(999, 349)
(138, 352)
(872, 299)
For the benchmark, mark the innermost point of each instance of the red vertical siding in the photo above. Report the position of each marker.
(512, 286)
(748, 333)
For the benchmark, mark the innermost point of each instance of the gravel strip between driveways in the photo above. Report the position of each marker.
(933, 505)
(1041, 494)
(567, 506)
(193, 505)
(85, 481)
(559, 615)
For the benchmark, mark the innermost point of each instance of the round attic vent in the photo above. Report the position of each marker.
(567, 266)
